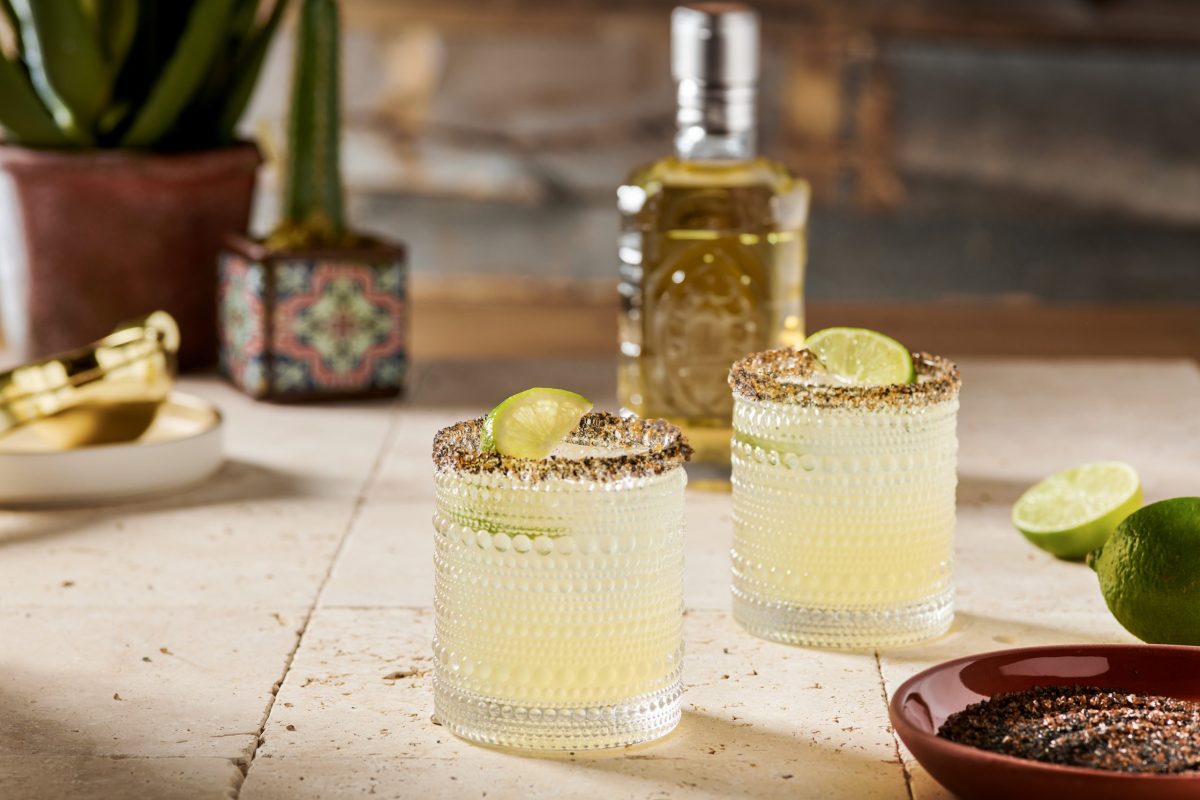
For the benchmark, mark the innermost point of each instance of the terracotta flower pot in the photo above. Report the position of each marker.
(313, 324)
(88, 239)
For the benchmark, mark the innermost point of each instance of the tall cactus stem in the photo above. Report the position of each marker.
(313, 213)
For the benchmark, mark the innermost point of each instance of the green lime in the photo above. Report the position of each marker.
(1072, 513)
(1150, 572)
(530, 423)
(862, 357)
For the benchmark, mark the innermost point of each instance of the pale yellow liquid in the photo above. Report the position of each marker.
(559, 608)
(712, 267)
(844, 523)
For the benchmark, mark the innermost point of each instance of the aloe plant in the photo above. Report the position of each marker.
(143, 74)
(312, 200)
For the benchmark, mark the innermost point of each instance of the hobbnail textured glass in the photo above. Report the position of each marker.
(844, 520)
(558, 608)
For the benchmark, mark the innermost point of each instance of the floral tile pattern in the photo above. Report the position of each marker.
(337, 327)
(241, 323)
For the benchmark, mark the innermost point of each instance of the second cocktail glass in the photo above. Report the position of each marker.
(843, 503)
(559, 587)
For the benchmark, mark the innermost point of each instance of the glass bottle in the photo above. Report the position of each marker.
(712, 242)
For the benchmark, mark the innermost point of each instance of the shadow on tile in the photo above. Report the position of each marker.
(42, 756)
(726, 758)
(235, 482)
(981, 489)
(977, 633)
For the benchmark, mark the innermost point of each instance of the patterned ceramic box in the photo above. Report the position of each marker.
(308, 325)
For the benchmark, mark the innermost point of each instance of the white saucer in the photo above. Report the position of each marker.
(182, 447)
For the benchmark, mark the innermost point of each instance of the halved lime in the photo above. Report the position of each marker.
(531, 423)
(862, 357)
(1075, 511)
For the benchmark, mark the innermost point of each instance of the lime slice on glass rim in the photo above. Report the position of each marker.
(531, 423)
(862, 357)
(1074, 511)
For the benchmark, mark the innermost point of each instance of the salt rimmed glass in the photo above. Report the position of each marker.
(843, 503)
(559, 587)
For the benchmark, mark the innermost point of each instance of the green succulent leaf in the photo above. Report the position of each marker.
(247, 66)
(22, 115)
(185, 70)
(65, 64)
(242, 19)
(116, 25)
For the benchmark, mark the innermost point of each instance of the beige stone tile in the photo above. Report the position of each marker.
(261, 532)
(322, 449)
(491, 775)
(166, 554)
(388, 559)
(754, 713)
(1022, 420)
(706, 567)
(139, 682)
(45, 777)
(995, 566)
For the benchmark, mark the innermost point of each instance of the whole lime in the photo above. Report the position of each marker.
(1150, 572)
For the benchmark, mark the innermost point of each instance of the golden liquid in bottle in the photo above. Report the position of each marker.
(712, 268)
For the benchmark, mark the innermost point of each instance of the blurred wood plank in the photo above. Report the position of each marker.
(503, 316)
(1085, 22)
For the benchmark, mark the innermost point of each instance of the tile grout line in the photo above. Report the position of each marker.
(245, 764)
(891, 729)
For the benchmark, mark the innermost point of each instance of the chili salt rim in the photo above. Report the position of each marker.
(758, 377)
(456, 448)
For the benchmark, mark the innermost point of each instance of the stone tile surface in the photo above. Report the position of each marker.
(142, 641)
(1019, 422)
(144, 682)
(760, 720)
(328, 508)
(41, 777)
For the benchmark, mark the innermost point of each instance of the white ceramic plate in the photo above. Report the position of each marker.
(182, 447)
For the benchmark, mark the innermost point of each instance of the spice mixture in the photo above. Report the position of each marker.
(1084, 726)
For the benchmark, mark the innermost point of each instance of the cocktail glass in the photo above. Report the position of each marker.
(843, 503)
(559, 587)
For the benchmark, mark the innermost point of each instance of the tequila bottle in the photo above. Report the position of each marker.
(712, 243)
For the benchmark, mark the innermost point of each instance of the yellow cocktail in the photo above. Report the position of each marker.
(559, 587)
(843, 503)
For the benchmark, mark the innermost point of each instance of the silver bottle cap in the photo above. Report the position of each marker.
(715, 61)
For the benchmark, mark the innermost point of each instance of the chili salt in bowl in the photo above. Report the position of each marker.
(923, 702)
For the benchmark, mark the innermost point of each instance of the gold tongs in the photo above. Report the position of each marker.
(109, 391)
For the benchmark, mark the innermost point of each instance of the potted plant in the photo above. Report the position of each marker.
(316, 310)
(120, 170)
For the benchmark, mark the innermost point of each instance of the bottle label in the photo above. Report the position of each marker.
(708, 311)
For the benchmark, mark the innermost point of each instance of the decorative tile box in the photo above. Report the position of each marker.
(316, 324)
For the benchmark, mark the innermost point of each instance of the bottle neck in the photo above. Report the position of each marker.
(715, 123)
(696, 144)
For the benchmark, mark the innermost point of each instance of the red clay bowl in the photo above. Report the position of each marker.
(923, 702)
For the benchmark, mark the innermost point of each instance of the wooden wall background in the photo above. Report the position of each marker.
(1000, 178)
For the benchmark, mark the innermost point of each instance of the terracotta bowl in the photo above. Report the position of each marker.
(923, 702)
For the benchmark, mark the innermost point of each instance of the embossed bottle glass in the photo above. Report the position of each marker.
(843, 503)
(559, 587)
(712, 239)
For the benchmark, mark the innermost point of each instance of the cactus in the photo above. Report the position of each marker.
(143, 74)
(312, 199)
